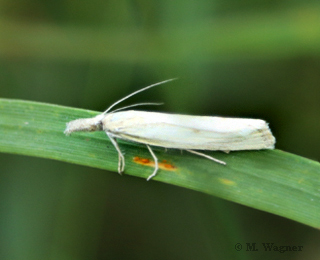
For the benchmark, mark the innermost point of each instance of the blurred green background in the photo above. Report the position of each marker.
(258, 59)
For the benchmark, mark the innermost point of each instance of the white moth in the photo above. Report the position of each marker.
(176, 131)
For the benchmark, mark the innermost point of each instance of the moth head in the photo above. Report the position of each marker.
(85, 125)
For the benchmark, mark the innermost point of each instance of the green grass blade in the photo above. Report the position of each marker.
(273, 181)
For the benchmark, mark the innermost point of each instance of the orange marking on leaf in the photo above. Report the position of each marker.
(227, 182)
(164, 165)
(168, 166)
(146, 161)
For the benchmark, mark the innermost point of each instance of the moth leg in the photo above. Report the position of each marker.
(207, 156)
(120, 155)
(156, 166)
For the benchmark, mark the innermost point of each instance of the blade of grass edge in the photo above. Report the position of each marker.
(274, 181)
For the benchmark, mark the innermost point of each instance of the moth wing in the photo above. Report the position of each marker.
(190, 132)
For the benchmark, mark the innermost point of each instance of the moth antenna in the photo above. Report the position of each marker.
(135, 105)
(136, 92)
